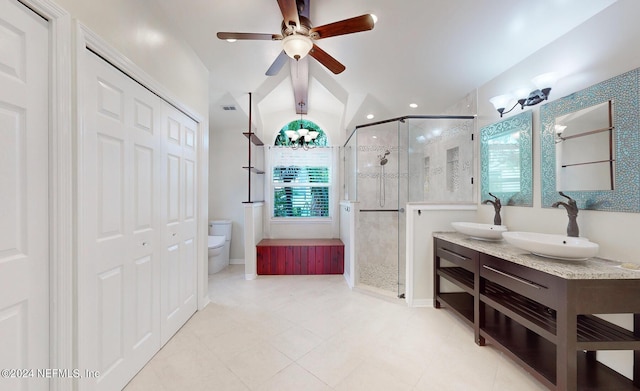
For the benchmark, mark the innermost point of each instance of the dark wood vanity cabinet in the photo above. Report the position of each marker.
(544, 322)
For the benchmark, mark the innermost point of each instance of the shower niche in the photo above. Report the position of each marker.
(388, 164)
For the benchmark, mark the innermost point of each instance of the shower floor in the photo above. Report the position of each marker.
(380, 276)
(377, 251)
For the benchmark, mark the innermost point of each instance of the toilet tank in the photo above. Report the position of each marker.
(220, 227)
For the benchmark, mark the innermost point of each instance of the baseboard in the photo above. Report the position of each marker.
(348, 279)
(205, 302)
(422, 303)
(237, 261)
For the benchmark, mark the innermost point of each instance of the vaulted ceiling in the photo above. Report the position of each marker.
(429, 52)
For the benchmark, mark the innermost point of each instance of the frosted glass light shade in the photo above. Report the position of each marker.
(292, 134)
(501, 101)
(297, 46)
(546, 80)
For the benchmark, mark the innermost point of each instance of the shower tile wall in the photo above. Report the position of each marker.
(441, 161)
(373, 143)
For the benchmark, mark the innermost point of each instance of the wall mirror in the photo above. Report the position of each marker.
(589, 146)
(584, 149)
(506, 160)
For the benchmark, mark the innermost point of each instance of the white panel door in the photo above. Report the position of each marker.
(119, 257)
(179, 279)
(24, 216)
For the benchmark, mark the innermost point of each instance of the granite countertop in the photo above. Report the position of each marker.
(590, 269)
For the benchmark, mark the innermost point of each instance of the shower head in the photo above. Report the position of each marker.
(383, 158)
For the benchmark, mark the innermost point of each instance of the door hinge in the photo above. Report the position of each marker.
(472, 180)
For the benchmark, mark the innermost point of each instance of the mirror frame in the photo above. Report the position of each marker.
(623, 91)
(522, 123)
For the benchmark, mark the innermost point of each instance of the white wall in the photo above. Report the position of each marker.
(253, 223)
(601, 48)
(422, 221)
(348, 212)
(138, 30)
(228, 182)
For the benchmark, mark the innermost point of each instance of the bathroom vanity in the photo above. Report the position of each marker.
(539, 311)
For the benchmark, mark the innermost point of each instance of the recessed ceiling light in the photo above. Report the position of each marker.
(231, 40)
(370, 116)
(413, 105)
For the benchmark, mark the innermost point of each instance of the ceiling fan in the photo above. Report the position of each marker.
(298, 35)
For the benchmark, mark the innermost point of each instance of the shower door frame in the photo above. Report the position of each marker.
(402, 229)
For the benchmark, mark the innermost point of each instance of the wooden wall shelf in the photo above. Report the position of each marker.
(251, 169)
(254, 139)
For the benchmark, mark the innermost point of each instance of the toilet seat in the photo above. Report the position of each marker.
(216, 241)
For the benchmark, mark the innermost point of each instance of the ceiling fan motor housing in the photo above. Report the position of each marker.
(303, 29)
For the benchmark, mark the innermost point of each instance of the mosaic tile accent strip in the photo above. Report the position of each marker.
(391, 175)
(523, 124)
(624, 91)
(380, 148)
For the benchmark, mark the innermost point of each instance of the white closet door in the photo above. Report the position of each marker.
(179, 299)
(24, 191)
(119, 260)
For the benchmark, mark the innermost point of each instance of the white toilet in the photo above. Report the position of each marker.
(219, 244)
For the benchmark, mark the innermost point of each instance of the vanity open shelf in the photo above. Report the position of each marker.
(540, 312)
(459, 270)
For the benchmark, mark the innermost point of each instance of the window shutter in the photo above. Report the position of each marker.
(301, 182)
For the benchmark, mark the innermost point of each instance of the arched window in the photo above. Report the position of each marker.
(284, 141)
(301, 177)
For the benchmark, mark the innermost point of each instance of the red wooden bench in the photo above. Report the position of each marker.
(300, 256)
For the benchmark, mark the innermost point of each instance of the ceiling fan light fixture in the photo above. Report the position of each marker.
(297, 46)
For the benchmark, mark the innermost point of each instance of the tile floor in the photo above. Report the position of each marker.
(308, 333)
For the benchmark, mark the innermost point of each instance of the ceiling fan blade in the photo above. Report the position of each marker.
(347, 26)
(254, 36)
(289, 10)
(325, 59)
(277, 65)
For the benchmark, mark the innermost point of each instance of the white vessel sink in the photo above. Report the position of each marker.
(553, 246)
(480, 231)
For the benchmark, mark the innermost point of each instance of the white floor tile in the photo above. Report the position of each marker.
(313, 333)
(294, 378)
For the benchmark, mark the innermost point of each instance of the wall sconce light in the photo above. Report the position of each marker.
(543, 84)
(559, 129)
(302, 138)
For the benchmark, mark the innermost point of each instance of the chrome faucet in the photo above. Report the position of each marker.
(572, 210)
(497, 220)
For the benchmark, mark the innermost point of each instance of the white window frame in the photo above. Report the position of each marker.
(331, 186)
